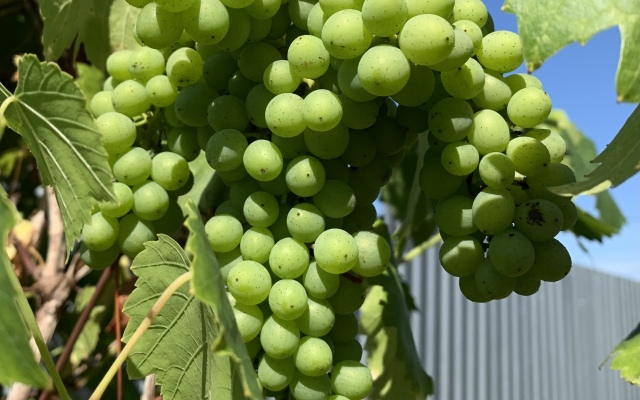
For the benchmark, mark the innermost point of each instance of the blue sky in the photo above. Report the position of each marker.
(581, 81)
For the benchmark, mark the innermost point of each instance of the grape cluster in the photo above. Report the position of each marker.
(303, 108)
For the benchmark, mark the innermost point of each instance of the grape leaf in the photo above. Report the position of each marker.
(122, 22)
(546, 26)
(48, 110)
(626, 357)
(208, 287)
(206, 190)
(177, 345)
(90, 80)
(17, 362)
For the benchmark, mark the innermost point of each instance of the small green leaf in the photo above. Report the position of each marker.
(626, 357)
(48, 110)
(546, 26)
(592, 228)
(17, 362)
(208, 286)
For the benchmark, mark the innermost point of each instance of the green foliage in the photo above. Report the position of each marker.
(546, 26)
(48, 110)
(626, 357)
(89, 80)
(17, 363)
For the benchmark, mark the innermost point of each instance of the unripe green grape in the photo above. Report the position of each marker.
(442, 8)
(335, 251)
(174, 5)
(472, 30)
(351, 379)
(527, 284)
(123, 204)
(263, 160)
(552, 141)
(493, 210)
(249, 319)
(192, 104)
(285, 115)
(161, 92)
(289, 258)
(460, 158)
(227, 112)
(344, 34)
(520, 196)
(349, 297)
(279, 228)
(150, 201)
(350, 84)
(552, 261)
(224, 233)
(249, 282)
(344, 329)
(489, 132)
(555, 174)
(218, 69)
(511, 253)
(290, 147)
(384, 17)
(280, 23)
(518, 82)
(130, 98)
(461, 255)
(170, 117)
(305, 176)
(101, 233)
(308, 58)
(336, 169)
(434, 180)
(299, 12)
(279, 78)
(540, 220)
(240, 86)
(418, 88)
(318, 318)
(496, 170)
(277, 187)
(263, 9)
(304, 387)
(495, 94)
(316, 20)
(279, 338)
(529, 107)
(184, 66)
(426, 39)
(133, 233)
(132, 167)
(450, 119)
(102, 103)
(472, 10)
(169, 170)
(328, 144)
(99, 260)
(377, 173)
(569, 215)
(492, 283)
(529, 156)
(331, 7)
(288, 299)
(118, 65)
(335, 199)
(172, 220)
(118, 132)
(305, 222)
(241, 190)
(206, 21)
(204, 133)
(256, 104)
(350, 350)
(184, 141)
(383, 70)
(228, 207)
(110, 83)
(225, 149)
(462, 51)
(313, 356)
(256, 244)
(454, 215)
(464, 82)
(361, 150)
(322, 110)
(501, 51)
(227, 260)
(275, 373)
(319, 283)
(235, 175)
(470, 290)
(374, 254)
(363, 216)
(157, 27)
(255, 58)
(260, 209)
(145, 63)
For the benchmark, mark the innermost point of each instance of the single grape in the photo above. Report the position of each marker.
(460, 158)
(349, 297)
(227, 112)
(256, 104)
(184, 66)
(145, 63)
(224, 232)
(495, 94)
(496, 170)
(552, 260)
(518, 82)
(279, 78)
(133, 167)
(319, 283)
(117, 130)
(335, 251)
(102, 103)
(461, 255)
(99, 260)
(472, 30)
(118, 65)
(313, 356)
(130, 98)
(262, 160)
(493, 210)
(249, 282)
(539, 220)
(384, 17)
(450, 119)
(133, 232)
(464, 82)
(279, 337)
(501, 51)
(374, 254)
(426, 39)
(511, 253)
(249, 319)
(335, 199)
(169, 170)
(304, 387)
(492, 283)
(101, 233)
(285, 115)
(472, 10)
(344, 34)
(527, 284)
(318, 318)
(308, 57)
(123, 204)
(150, 201)
(288, 299)
(489, 132)
(275, 373)
(462, 51)
(351, 379)
(225, 149)
(158, 28)
(206, 21)
(289, 258)
(161, 92)
(383, 70)
(322, 110)
(260, 209)
(193, 103)
(529, 107)
(552, 141)
(569, 215)
(454, 215)
(470, 290)
(256, 244)
(328, 144)
(305, 222)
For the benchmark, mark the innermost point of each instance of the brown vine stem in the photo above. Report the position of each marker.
(142, 328)
(115, 269)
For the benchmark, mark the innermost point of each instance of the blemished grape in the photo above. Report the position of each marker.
(275, 373)
(511, 253)
(289, 258)
(249, 282)
(145, 63)
(308, 58)
(133, 232)
(539, 220)
(288, 299)
(320, 283)
(305, 222)
(318, 319)
(336, 251)
(461, 255)
(492, 283)
(351, 379)
(313, 356)
(101, 233)
(501, 51)
(552, 261)
(224, 232)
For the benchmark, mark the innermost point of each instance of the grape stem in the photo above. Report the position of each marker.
(142, 328)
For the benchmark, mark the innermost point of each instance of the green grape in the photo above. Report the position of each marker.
(204, 133)
(552, 261)
(256, 244)
(184, 141)
(206, 21)
(279, 78)
(110, 83)
(316, 20)
(174, 5)
(290, 147)
(518, 82)
(157, 27)
(322, 110)
(99, 260)
(313, 356)
(218, 69)
(241, 190)
(184, 66)
(249, 319)
(351, 379)
(118, 132)
(358, 115)
(384, 17)
(555, 174)
(363, 216)
(227, 112)
(285, 115)
(383, 70)
(465, 82)
(299, 12)
(492, 283)
(249, 283)
(225, 149)
(442, 8)
(145, 63)
(279, 228)
(461, 255)
(377, 173)
(305, 222)
(335, 251)
(520, 196)
(527, 284)
(235, 175)
(101, 233)
(348, 298)
(118, 65)
(418, 88)
(552, 141)
(331, 7)
(236, 3)
(288, 299)
(529, 156)
(161, 92)
(227, 260)
(472, 10)
(336, 169)
(172, 220)
(454, 216)
(347, 351)
(150, 200)
(344, 329)
(102, 103)
(256, 104)
(305, 176)
(292, 33)
(304, 387)
(308, 58)
(263, 160)
(133, 233)
(495, 94)
(496, 170)
(228, 207)
(451, 119)
(130, 98)
(260, 209)
(319, 283)
(279, 338)
(540, 220)
(333, 223)
(132, 167)
(224, 233)
(277, 186)
(569, 215)
(511, 253)
(462, 51)
(529, 107)
(489, 132)
(460, 158)
(328, 144)
(254, 59)
(318, 319)
(374, 254)
(350, 84)
(206, 50)
(470, 290)
(501, 51)
(263, 9)
(434, 180)
(335, 199)
(169, 170)
(426, 39)
(472, 30)
(280, 23)
(344, 34)
(193, 102)
(493, 210)
(289, 258)
(275, 373)
(171, 118)
(123, 204)
(364, 194)
(361, 150)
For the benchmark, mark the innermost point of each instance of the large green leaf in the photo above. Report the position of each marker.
(626, 357)
(208, 286)
(546, 26)
(48, 110)
(177, 346)
(17, 362)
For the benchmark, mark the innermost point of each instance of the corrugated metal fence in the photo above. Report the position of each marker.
(545, 347)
